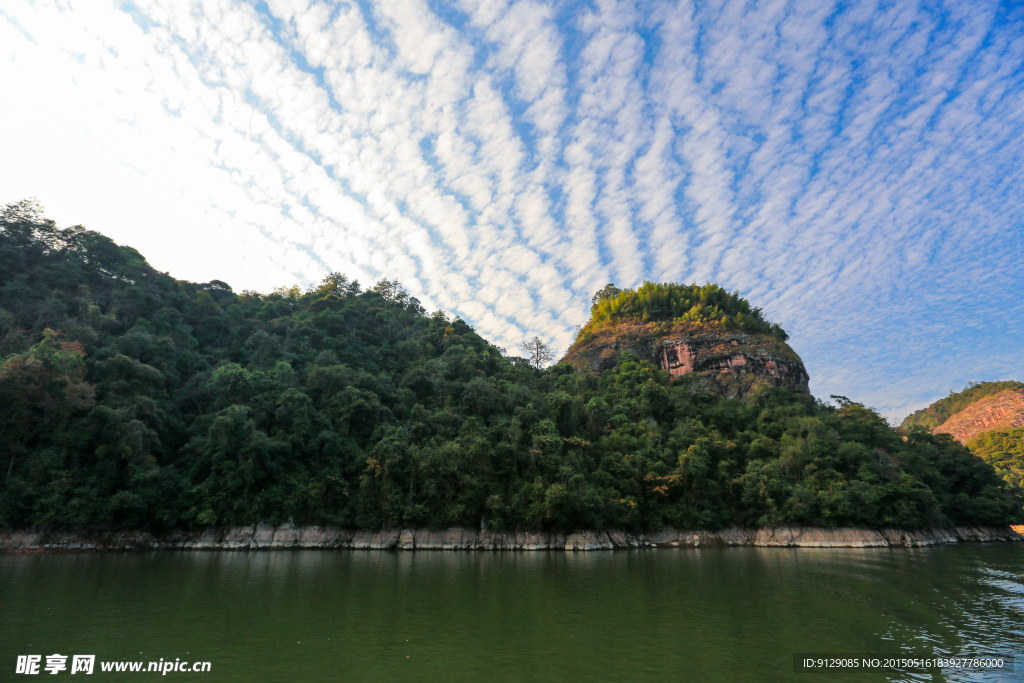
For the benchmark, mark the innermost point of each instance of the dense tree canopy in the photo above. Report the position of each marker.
(1004, 450)
(678, 304)
(129, 398)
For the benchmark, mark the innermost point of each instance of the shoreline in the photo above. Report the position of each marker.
(268, 537)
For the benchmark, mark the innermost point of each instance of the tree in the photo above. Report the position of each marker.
(39, 391)
(24, 211)
(610, 291)
(292, 292)
(537, 352)
(337, 284)
(391, 290)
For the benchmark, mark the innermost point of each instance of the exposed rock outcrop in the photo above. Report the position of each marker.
(263, 537)
(1004, 410)
(728, 363)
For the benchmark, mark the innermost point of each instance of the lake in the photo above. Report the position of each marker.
(709, 614)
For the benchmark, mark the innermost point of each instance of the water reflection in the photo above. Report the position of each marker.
(735, 614)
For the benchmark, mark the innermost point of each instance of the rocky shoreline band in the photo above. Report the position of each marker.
(263, 536)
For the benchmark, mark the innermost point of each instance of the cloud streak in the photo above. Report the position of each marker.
(853, 169)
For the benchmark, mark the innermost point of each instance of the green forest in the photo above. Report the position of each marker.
(131, 399)
(1004, 450)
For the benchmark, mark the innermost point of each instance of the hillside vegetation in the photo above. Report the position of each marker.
(679, 305)
(131, 399)
(1004, 450)
(943, 409)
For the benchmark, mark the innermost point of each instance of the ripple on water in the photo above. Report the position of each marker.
(710, 614)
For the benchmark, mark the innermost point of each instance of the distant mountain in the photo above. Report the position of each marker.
(943, 409)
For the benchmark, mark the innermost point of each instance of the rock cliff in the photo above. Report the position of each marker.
(1004, 410)
(265, 537)
(726, 362)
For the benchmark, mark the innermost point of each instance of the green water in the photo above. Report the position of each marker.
(733, 614)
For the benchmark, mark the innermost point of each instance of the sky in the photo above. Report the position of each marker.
(854, 169)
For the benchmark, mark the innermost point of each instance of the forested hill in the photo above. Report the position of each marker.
(130, 398)
(985, 416)
(943, 409)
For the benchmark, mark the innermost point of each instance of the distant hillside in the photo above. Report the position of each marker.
(988, 418)
(1004, 410)
(943, 409)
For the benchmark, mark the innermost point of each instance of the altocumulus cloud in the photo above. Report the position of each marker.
(854, 168)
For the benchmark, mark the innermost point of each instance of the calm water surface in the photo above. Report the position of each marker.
(732, 614)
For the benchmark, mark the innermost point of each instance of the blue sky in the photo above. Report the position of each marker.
(855, 169)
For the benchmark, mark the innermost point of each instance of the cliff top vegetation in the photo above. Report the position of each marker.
(670, 305)
(943, 409)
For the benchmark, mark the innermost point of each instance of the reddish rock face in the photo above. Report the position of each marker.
(1004, 410)
(745, 358)
(731, 363)
(676, 358)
